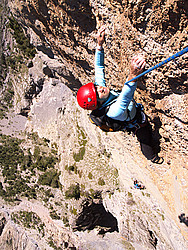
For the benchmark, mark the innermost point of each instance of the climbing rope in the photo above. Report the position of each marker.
(180, 53)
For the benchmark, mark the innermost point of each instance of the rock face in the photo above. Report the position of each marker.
(63, 33)
(95, 215)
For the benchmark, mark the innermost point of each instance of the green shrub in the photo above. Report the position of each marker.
(14, 160)
(53, 244)
(73, 192)
(72, 168)
(101, 182)
(22, 41)
(49, 193)
(50, 178)
(10, 152)
(18, 186)
(69, 168)
(43, 163)
(95, 194)
(36, 153)
(29, 220)
(130, 195)
(82, 142)
(90, 176)
(80, 155)
(74, 211)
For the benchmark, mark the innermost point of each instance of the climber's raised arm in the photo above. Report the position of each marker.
(118, 110)
(99, 58)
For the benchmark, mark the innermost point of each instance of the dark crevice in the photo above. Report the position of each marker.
(94, 215)
(81, 12)
(2, 225)
(171, 116)
(153, 240)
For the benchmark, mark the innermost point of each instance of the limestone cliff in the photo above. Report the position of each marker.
(95, 170)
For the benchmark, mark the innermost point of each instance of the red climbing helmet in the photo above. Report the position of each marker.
(87, 97)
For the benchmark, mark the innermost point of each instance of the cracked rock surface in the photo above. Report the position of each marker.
(92, 204)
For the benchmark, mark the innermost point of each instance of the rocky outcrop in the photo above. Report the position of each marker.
(131, 27)
(63, 33)
(94, 215)
(12, 237)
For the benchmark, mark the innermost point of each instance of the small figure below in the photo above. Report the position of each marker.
(183, 219)
(137, 185)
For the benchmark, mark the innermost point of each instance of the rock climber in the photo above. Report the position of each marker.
(117, 111)
(138, 186)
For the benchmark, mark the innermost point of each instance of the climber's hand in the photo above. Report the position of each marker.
(137, 65)
(101, 36)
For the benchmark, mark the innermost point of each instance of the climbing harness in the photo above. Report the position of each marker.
(107, 124)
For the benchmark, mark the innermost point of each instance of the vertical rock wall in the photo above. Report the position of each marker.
(64, 31)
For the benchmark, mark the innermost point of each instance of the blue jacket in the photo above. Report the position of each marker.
(122, 105)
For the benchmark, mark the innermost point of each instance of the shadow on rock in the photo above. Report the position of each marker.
(81, 13)
(183, 219)
(94, 215)
(48, 51)
(156, 135)
(176, 86)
